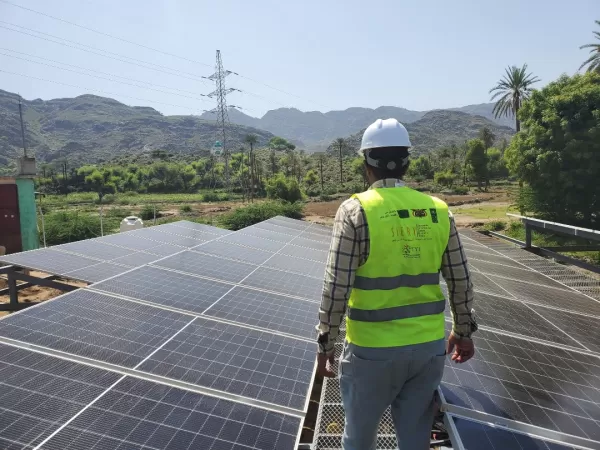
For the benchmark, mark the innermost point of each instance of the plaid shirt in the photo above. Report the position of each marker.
(350, 249)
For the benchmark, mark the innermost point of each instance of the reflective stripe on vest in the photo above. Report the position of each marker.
(396, 299)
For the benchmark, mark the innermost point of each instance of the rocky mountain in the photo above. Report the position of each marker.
(314, 130)
(442, 128)
(89, 129)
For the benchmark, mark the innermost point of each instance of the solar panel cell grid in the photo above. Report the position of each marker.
(201, 227)
(286, 283)
(95, 326)
(49, 260)
(537, 384)
(583, 328)
(234, 251)
(269, 311)
(308, 243)
(98, 272)
(135, 259)
(94, 248)
(208, 266)
(513, 316)
(129, 240)
(276, 228)
(162, 287)
(305, 253)
(39, 393)
(163, 250)
(558, 298)
(139, 414)
(266, 234)
(238, 360)
(296, 265)
(254, 242)
(477, 436)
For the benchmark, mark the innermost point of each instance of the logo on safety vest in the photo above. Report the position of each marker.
(410, 251)
(434, 216)
(419, 212)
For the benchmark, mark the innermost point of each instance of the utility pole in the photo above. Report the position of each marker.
(221, 110)
(22, 128)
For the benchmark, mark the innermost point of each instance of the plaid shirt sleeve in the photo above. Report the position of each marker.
(349, 248)
(455, 271)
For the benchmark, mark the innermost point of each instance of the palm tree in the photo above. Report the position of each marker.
(340, 143)
(251, 140)
(513, 89)
(593, 62)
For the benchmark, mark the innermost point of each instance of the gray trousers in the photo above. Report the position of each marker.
(403, 378)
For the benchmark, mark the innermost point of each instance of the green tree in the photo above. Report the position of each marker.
(488, 138)
(593, 62)
(278, 144)
(283, 188)
(251, 140)
(477, 160)
(445, 178)
(511, 91)
(340, 147)
(99, 182)
(557, 153)
(496, 164)
(421, 168)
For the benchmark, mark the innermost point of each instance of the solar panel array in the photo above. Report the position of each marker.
(100, 258)
(208, 344)
(534, 382)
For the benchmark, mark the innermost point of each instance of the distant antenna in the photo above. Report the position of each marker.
(221, 110)
(22, 128)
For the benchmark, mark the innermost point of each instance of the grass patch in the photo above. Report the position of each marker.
(185, 209)
(484, 211)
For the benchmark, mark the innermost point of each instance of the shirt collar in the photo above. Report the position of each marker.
(387, 182)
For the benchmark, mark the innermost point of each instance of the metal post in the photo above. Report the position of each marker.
(527, 236)
(101, 224)
(22, 128)
(43, 225)
(13, 293)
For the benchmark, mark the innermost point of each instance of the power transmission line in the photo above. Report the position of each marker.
(153, 49)
(96, 90)
(96, 51)
(104, 73)
(104, 34)
(104, 78)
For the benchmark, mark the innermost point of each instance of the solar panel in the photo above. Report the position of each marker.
(269, 311)
(138, 414)
(241, 361)
(208, 266)
(94, 248)
(305, 253)
(286, 283)
(492, 257)
(316, 245)
(548, 296)
(478, 436)
(482, 283)
(296, 265)
(95, 326)
(583, 328)
(513, 316)
(163, 250)
(234, 251)
(254, 242)
(529, 382)
(189, 237)
(136, 259)
(266, 234)
(522, 273)
(40, 393)
(128, 240)
(97, 272)
(48, 260)
(289, 223)
(275, 228)
(200, 227)
(167, 288)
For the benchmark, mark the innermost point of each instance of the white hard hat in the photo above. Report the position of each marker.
(384, 133)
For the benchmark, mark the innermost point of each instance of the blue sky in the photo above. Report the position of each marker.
(329, 54)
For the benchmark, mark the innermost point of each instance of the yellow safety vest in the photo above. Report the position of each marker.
(396, 299)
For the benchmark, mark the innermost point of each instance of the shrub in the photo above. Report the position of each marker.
(446, 178)
(68, 226)
(147, 213)
(106, 200)
(210, 197)
(249, 215)
(185, 209)
(225, 197)
(461, 190)
(495, 225)
(282, 188)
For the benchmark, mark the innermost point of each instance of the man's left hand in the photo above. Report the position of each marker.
(323, 368)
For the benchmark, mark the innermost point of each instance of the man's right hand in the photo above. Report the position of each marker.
(462, 349)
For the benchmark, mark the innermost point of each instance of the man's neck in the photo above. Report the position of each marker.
(387, 182)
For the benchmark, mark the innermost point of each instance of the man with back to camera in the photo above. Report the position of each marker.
(388, 247)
